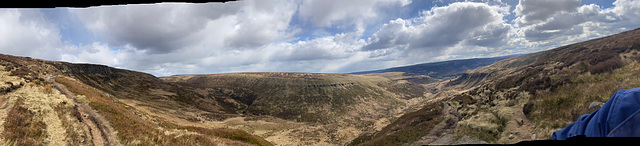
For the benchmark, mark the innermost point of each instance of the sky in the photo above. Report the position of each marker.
(321, 36)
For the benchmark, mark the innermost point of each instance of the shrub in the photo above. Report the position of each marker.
(608, 65)
(527, 108)
(635, 56)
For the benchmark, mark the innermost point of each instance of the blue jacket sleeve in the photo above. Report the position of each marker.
(614, 118)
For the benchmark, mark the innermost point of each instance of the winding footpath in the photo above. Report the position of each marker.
(442, 127)
(101, 132)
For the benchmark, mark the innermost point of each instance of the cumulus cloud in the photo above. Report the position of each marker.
(472, 24)
(353, 16)
(396, 33)
(93, 53)
(324, 13)
(314, 55)
(159, 28)
(166, 39)
(325, 48)
(627, 12)
(534, 11)
(447, 26)
(561, 22)
(261, 22)
(28, 33)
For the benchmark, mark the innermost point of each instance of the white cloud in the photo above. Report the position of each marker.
(396, 33)
(159, 28)
(166, 39)
(256, 37)
(627, 12)
(27, 33)
(459, 24)
(535, 11)
(317, 55)
(325, 13)
(94, 53)
(545, 25)
(261, 22)
(344, 14)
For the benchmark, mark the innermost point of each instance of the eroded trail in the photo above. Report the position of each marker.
(101, 132)
(4, 103)
(442, 127)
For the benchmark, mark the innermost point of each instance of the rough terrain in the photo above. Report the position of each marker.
(516, 99)
(525, 97)
(42, 105)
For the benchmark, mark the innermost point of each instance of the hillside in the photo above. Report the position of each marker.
(85, 104)
(521, 98)
(55, 103)
(444, 69)
(307, 97)
(344, 101)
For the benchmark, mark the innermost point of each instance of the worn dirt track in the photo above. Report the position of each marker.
(101, 132)
(442, 127)
(3, 102)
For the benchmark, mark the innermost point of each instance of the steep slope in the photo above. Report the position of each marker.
(134, 86)
(42, 103)
(443, 69)
(308, 97)
(525, 97)
(337, 101)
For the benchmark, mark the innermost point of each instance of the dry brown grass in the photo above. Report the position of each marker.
(233, 134)
(77, 133)
(48, 88)
(305, 97)
(22, 127)
(574, 98)
(132, 130)
(408, 128)
(484, 125)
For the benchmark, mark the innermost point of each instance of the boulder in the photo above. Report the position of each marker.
(469, 140)
(519, 121)
(595, 105)
(444, 140)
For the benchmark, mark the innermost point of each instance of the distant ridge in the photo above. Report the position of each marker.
(443, 69)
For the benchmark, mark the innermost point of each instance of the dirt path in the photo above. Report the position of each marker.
(445, 126)
(101, 132)
(3, 102)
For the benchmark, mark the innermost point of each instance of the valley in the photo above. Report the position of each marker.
(515, 98)
(523, 98)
